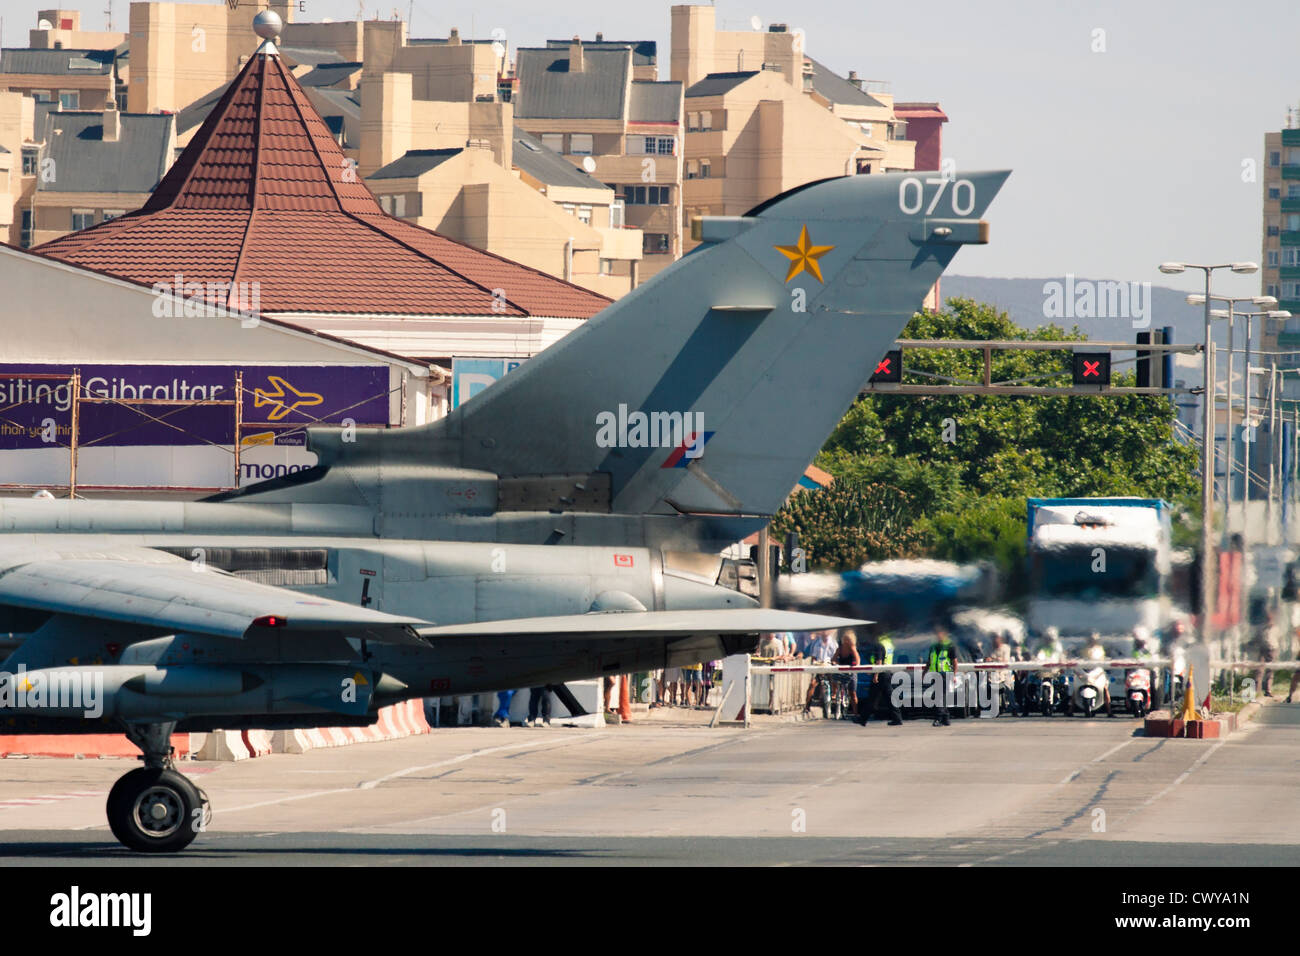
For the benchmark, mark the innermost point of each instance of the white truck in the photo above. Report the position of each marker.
(1098, 564)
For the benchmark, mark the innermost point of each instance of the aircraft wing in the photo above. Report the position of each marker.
(160, 591)
(646, 624)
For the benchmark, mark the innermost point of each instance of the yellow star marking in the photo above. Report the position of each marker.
(803, 256)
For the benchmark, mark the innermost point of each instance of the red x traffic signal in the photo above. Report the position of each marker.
(1091, 368)
(889, 368)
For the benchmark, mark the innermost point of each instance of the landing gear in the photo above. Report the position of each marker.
(155, 809)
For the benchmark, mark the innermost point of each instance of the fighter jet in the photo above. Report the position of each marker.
(565, 523)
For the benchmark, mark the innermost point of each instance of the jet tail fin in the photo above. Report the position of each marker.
(710, 388)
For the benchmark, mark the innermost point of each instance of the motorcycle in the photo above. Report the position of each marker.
(1044, 692)
(1090, 686)
(1137, 691)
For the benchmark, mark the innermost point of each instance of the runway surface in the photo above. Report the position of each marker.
(668, 790)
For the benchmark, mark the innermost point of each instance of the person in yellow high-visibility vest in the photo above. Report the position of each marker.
(942, 660)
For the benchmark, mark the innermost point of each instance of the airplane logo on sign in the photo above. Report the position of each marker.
(283, 390)
(803, 256)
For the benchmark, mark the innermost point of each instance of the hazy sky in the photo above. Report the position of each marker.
(1121, 159)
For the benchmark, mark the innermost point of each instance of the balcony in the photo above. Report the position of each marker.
(1289, 272)
(1290, 237)
(1291, 137)
(1292, 306)
(1291, 171)
(1291, 205)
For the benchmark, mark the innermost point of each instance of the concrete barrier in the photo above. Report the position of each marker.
(395, 722)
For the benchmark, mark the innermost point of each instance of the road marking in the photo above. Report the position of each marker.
(372, 784)
(1098, 759)
(1181, 777)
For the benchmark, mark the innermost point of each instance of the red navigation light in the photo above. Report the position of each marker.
(271, 620)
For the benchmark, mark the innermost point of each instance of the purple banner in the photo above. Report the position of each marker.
(279, 399)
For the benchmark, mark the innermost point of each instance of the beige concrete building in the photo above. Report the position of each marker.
(465, 171)
(80, 168)
(61, 30)
(588, 106)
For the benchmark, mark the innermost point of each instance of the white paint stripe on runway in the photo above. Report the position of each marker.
(1098, 759)
(372, 784)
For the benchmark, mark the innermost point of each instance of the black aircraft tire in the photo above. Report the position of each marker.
(152, 810)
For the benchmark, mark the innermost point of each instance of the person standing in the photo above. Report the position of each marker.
(873, 651)
(539, 707)
(942, 660)
(502, 716)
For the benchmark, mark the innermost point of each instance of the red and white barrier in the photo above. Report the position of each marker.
(399, 720)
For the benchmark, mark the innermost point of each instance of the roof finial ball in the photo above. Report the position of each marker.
(267, 24)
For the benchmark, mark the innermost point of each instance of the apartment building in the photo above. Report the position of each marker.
(466, 171)
(1280, 261)
(88, 168)
(587, 105)
(72, 79)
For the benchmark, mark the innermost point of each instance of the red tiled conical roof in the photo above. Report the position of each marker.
(264, 193)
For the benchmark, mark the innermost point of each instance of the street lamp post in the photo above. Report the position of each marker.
(1268, 302)
(1207, 439)
(1247, 436)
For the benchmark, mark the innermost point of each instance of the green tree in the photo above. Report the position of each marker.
(962, 465)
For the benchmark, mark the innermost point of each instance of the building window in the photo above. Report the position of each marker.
(69, 99)
(647, 195)
(692, 169)
(1273, 228)
(26, 239)
(584, 215)
(113, 214)
(655, 244)
(1292, 157)
(1274, 192)
(706, 121)
(1273, 258)
(1290, 255)
(652, 145)
(607, 267)
(1293, 190)
(1292, 222)
(42, 96)
(1272, 290)
(580, 144)
(553, 141)
(692, 122)
(616, 214)
(864, 167)
(399, 206)
(1291, 290)
(30, 156)
(866, 129)
(1275, 158)
(568, 207)
(82, 219)
(386, 204)
(706, 169)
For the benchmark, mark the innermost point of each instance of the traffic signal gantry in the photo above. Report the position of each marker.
(1089, 368)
